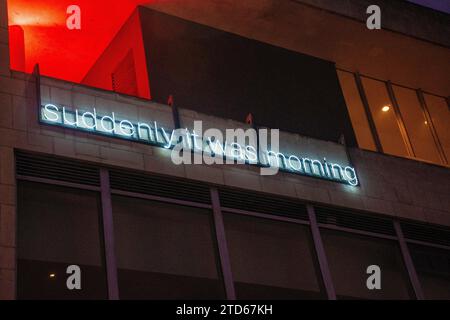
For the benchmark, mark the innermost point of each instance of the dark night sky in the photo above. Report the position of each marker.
(441, 5)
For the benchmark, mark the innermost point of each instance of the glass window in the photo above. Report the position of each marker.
(165, 251)
(384, 117)
(433, 269)
(440, 115)
(417, 126)
(58, 227)
(349, 255)
(356, 110)
(271, 259)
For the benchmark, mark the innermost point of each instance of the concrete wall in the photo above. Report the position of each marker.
(400, 16)
(129, 38)
(7, 181)
(4, 49)
(392, 186)
(296, 26)
(389, 185)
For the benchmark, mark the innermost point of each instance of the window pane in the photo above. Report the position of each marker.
(58, 227)
(384, 118)
(356, 110)
(164, 251)
(433, 269)
(416, 125)
(271, 260)
(349, 255)
(440, 115)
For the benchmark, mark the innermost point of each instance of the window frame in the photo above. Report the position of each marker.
(217, 212)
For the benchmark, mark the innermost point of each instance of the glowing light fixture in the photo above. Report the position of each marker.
(385, 108)
(52, 275)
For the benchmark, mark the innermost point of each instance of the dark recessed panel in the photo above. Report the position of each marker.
(226, 75)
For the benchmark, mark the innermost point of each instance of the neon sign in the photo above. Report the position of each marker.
(154, 134)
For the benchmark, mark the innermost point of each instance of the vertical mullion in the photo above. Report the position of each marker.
(427, 116)
(365, 102)
(400, 122)
(408, 262)
(222, 245)
(321, 256)
(108, 234)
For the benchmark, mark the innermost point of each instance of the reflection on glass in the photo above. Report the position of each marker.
(356, 111)
(58, 227)
(440, 115)
(164, 251)
(270, 259)
(385, 121)
(418, 128)
(433, 269)
(349, 255)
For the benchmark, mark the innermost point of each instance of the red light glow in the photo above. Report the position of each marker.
(38, 34)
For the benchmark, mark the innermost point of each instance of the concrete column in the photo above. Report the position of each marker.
(7, 224)
(7, 180)
(4, 48)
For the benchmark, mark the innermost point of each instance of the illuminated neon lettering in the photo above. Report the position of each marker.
(194, 137)
(93, 115)
(277, 156)
(352, 179)
(251, 154)
(291, 165)
(304, 162)
(123, 128)
(167, 138)
(188, 138)
(236, 151)
(156, 131)
(216, 147)
(148, 129)
(112, 119)
(327, 169)
(319, 166)
(340, 171)
(47, 110)
(200, 145)
(66, 121)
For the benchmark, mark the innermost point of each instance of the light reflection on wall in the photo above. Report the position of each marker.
(38, 34)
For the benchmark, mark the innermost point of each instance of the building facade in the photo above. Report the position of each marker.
(374, 103)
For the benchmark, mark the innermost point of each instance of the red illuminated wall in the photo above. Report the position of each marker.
(38, 34)
(127, 44)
